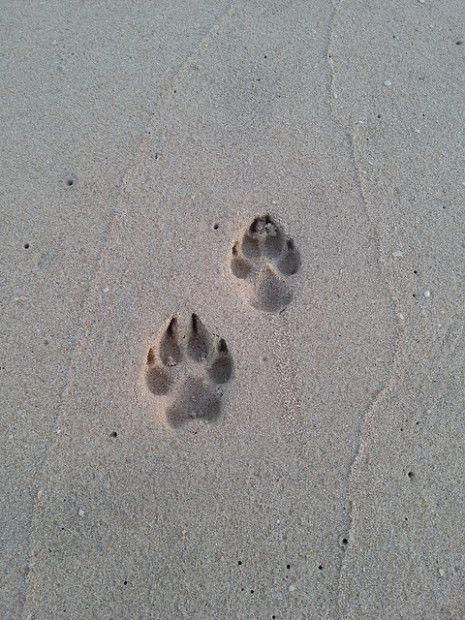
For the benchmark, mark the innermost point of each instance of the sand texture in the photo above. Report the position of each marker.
(233, 267)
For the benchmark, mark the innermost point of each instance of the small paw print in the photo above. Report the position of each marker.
(264, 259)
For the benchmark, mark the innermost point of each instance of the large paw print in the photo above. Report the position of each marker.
(190, 368)
(264, 259)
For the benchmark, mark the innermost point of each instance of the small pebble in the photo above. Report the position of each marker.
(442, 572)
(397, 254)
(80, 512)
(387, 83)
(426, 294)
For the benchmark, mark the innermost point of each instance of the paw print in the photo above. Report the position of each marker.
(264, 260)
(191, 369)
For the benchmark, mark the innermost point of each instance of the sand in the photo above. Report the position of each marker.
(295, 451)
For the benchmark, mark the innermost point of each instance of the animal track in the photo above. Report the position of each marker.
(263, 259)
(192, 369)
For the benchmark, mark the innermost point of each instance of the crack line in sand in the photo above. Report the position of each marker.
(393, 374)
(390, 382)
(90, 291)
(376, 238)
(453, 336)
(329, 58)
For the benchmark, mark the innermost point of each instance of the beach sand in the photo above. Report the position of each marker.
(290, 446)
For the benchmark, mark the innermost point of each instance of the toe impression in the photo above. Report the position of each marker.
(222, 368)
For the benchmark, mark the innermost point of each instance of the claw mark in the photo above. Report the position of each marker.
(150, 356)
(221, 370)
(239, 266)
(170, 353)
(197, 347)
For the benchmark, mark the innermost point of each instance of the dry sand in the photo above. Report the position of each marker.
(139, 143)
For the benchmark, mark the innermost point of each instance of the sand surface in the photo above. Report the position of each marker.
(322, 476)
